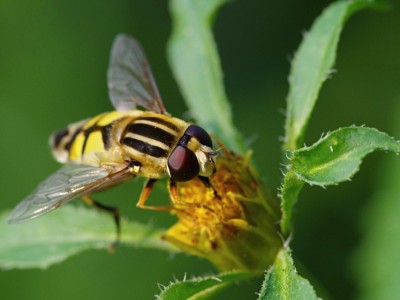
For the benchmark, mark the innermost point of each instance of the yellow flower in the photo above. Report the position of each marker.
(231, 223)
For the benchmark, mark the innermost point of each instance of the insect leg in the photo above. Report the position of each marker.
(207, 183)
(173, 191)
(110, 209)
(145, 195)
(174, 195)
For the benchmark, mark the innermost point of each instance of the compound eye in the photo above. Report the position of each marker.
(183, 164)
(200, 134)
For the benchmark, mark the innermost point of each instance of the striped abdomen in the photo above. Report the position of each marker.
(61, 141)
(91, 135)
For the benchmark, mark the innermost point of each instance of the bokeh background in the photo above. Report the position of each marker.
(53, 62)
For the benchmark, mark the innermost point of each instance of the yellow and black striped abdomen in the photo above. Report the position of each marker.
(62, 140)
(90, 135)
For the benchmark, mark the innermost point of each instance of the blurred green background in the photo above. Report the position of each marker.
(53, 62)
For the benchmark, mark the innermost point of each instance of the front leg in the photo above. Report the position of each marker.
(173, 191)
(174, 194)
(175, 197)
(145, 195)
(207, 183)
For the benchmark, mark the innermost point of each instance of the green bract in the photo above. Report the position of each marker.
(333, 159)
(200, 287)
(282, 281)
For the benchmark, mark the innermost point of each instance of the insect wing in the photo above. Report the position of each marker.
(69, 182)
(130, 80)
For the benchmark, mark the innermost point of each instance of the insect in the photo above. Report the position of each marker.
(113, 147)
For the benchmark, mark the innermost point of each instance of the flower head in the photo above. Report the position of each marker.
(227, 219)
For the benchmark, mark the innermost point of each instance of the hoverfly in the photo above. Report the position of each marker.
(113, 147)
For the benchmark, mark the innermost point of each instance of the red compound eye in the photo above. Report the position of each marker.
(200, 134)
(183, 164)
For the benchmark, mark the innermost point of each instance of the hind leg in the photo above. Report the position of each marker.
(115, 213)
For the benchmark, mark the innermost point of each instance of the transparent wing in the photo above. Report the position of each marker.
(130, 80)
(68, 183)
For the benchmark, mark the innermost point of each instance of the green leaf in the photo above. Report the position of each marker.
(312, 65)
(282, 281)
(69, 230)
(201, 287)
(333, 159)
(195, 63)
(337, 156)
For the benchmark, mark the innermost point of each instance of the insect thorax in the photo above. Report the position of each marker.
(149, 140)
